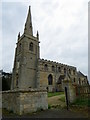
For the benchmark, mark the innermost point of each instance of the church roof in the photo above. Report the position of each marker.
(80, 74)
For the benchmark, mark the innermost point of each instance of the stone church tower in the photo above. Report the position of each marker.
(25, 71)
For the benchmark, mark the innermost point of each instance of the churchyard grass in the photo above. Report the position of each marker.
(51, 94)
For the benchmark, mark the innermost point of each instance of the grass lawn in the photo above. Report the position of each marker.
(62, 98)
(82, 102)
(51, 94)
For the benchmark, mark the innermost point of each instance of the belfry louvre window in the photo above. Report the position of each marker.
(31, 46)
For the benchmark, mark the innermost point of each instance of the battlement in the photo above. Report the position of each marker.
(45, 61)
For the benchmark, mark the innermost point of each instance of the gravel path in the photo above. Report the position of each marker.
(55, 100)
(53, 113)
(58, 113)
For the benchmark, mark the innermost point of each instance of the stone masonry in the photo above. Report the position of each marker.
(25, 101)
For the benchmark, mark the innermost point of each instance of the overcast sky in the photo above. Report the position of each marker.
(62, 26)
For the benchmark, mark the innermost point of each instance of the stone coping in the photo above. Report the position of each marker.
(56, 63)
(25, 90)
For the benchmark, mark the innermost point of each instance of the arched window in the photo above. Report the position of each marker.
(59, 69)
(53, 68)
(69, 71)
(50, 80)
(84, 81)
(65, 70)
(31, 46)
(45, 67)
(74, 72)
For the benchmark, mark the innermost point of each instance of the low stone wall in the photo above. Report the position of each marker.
(25, 101)
(85, 89)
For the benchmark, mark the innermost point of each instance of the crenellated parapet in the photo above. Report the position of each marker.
(47, 65)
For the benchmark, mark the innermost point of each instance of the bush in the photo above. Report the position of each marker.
(82, 102)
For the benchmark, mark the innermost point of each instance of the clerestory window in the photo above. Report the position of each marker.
(59, 69)
(45, 67)
(53, 68)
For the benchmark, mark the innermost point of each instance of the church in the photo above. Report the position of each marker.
(30, 71)
(33, 77)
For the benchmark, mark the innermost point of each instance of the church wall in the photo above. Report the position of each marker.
(82, 80)
(44, 81)
(56, 73)
(83, 90)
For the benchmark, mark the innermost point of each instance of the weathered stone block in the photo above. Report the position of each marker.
(25, 101)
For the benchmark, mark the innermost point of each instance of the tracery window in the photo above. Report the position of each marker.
(50, 80)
